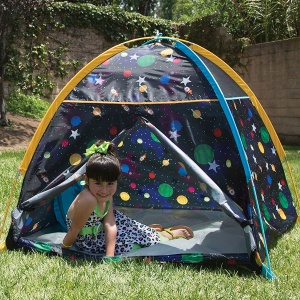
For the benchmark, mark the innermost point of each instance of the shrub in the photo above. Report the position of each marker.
(26, 105)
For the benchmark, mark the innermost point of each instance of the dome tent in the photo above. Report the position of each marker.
(195, 146)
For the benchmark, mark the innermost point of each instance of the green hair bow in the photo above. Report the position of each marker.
(97, 149)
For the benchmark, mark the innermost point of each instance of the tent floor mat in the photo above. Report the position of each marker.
(214, 232)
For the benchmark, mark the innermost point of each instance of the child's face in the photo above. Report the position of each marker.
(102, 190)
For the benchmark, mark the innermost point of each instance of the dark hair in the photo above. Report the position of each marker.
(104, 167)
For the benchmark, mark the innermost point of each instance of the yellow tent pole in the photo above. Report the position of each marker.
(2, 245)
(243, 85)
(295, 189)
(121, 47)
(59, 99)
(64, 93)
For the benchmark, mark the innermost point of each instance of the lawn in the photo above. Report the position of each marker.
(37, 276)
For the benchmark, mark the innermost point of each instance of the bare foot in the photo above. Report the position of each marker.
(177, 232)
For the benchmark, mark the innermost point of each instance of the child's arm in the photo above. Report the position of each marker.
(83, 206)
(110, 229)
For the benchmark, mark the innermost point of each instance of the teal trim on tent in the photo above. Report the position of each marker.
(197, 60)
(195, 147)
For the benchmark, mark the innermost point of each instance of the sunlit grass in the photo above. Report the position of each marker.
(37, 276)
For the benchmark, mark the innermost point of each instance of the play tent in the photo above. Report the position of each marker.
(195, 146)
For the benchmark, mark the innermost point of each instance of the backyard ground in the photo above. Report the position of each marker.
(18, 134)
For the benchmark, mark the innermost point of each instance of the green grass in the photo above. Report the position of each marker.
(30, 106)
(37, 276)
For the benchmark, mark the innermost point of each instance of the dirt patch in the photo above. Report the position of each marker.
(18, 134)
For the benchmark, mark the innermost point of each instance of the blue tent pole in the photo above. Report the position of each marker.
(267, 272)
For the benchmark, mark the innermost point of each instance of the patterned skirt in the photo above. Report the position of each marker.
(130, 233)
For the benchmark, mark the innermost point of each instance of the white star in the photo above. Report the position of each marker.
(213, 166)
(262, 197)
(171, 58)
(253, 128)
(174, 135)
(279, 186)
(99, 81)
(267, 166)
(254, 158)
(141, 80)
(74, 134)
(185, 81)
(134, 56)
(273, 150)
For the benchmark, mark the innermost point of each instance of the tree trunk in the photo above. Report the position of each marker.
(3, 119)
(144, 7)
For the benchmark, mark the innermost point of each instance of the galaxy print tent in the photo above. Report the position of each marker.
(195, 145)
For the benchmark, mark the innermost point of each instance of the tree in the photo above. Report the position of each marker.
(185, 10)
(94, 2)
(166, 9)
(256, 20)
(260, 20)
(143, 7)
(13, 13)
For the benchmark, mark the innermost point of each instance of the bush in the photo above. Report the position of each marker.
(30, 106)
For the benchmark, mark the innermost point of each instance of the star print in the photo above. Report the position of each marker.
(273, 150)
(134, 56)
(253, 128)
(279, 186)
(213, 166)
(254, 158)
(74, 134)
(99, 81)
(267, 166)
(174, 135)
(171, 58)
(185, 81)
(141, 80)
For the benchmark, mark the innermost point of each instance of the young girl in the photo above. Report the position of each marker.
(93, 224)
